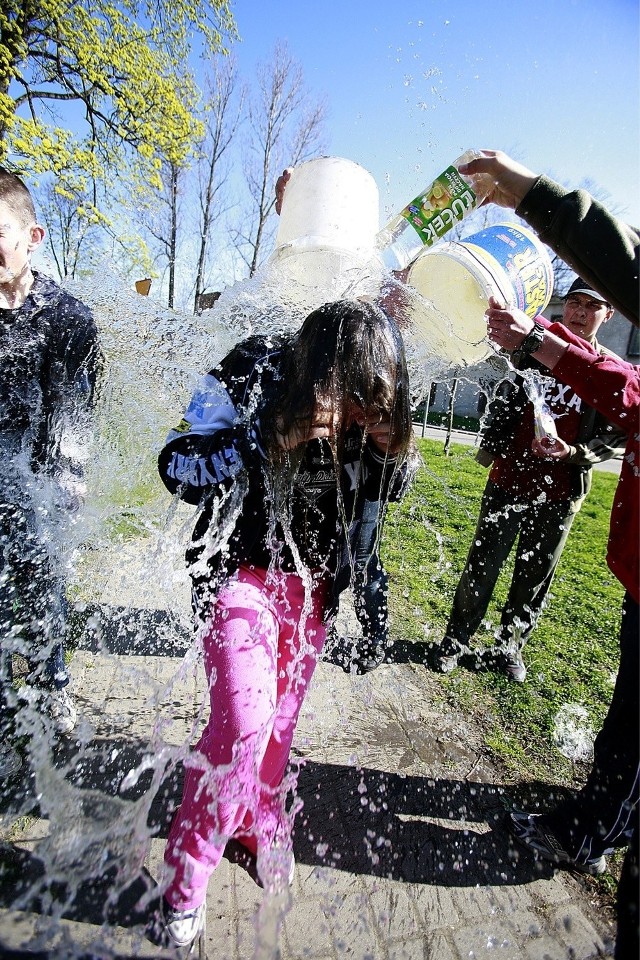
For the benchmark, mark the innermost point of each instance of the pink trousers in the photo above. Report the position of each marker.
(261, 648)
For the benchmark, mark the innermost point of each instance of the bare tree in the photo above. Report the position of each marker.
(285, 128)
(223, 116)
(68, 225)
(160, 217)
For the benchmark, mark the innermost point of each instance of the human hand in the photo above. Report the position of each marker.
(322, 425)
(281, 183)
(511, 181)
(378, 429)
(394, 297)
(381, 434)
(550, 448)
(507, 327)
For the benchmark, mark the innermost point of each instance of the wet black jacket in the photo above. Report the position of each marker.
(215, 458)
(601, 249)
(49, 362)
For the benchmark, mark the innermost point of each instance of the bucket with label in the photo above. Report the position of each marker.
(505, 261)
(328, 223)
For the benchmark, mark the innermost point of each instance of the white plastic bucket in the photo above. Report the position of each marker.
(329, 221)
(505, 261)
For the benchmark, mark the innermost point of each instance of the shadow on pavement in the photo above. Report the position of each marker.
(130, 631)
(409, 651)
(412, 829)
(359, 820)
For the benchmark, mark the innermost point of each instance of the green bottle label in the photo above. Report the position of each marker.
(447, 201)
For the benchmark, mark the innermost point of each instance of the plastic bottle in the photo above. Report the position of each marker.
(438, 208)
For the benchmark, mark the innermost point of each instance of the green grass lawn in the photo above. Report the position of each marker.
(572, 655)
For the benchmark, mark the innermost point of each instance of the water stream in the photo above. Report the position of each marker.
(106, 794)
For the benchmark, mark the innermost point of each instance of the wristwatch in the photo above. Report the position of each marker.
(533, 340)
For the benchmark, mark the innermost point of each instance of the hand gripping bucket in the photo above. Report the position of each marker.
(505, 261)
(328, 223)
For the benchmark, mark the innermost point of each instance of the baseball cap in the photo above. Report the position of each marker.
(581, 286)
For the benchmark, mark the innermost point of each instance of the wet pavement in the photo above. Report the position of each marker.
(401, 848)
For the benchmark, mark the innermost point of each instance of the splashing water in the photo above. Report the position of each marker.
(573, 733)
(128, 593)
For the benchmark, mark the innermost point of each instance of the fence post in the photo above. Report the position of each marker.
(452, 397)
(426, 411)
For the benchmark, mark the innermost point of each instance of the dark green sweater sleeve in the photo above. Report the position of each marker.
(600, 248)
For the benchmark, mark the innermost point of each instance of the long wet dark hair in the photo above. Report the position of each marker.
(350, 352)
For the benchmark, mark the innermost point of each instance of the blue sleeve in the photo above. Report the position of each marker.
(208, 448)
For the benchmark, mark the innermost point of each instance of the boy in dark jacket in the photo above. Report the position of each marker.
(48, 365)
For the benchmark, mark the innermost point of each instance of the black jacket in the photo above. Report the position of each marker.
(252, 509)
(49, 363)
(598, 246)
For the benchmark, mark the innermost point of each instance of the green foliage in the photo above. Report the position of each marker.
(124, 65)
(572, 655)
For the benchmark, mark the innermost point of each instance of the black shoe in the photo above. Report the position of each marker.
(512, 665)
(368, 657)
(338, 651)
(527, 830)
(446, 656)
(353, 655)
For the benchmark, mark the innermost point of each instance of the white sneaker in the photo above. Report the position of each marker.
(61, 709)
(183, 926)
(276, 868)
(10, 762)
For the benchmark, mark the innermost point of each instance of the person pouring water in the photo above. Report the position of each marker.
(605, 251)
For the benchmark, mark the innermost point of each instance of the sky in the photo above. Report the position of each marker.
(410, 85)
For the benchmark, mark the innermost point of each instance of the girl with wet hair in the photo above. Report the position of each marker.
(347, 359)
(281, 446)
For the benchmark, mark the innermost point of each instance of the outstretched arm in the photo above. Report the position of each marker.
(602, 249)
(607, 383)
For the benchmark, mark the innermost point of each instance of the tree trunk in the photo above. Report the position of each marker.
(173, 237)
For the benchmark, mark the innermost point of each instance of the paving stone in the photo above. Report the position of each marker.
(577, 932)
(474, 903)
(435, 906)
(492, 940)
(307, 929)
(552, 890)
(508, 900)
(220, 934)
(546, 948)
(315, 881)
(352, 927)
(407, 949)
(439, 948)
(524, 923)
(394, 911)
(248, 894)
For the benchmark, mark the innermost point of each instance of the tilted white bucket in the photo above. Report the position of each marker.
(505, 261)
(328, 223)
